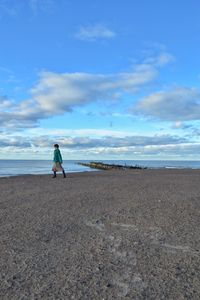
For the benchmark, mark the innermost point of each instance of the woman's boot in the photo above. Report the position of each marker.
(64, 175)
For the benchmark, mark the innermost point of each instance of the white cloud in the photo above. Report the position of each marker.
(195, 131)
(15, 141)
(58, 93)
(179, 104)
(181, 125)
(5, 103)
(41, 5)
(92, 33)
(160, 60)
(178, 125)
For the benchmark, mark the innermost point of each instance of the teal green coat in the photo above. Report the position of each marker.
(57, 156)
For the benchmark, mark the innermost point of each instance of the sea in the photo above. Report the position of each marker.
(36, 167)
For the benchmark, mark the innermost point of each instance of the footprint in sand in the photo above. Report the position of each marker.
(98, 224)
(125, 279)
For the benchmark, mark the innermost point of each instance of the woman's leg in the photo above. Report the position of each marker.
(64, 175)
(63, 171)
(54, 174)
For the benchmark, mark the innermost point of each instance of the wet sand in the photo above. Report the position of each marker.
(101, 235)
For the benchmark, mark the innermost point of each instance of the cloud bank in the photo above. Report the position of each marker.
(156, 146)
(86, 142)
(179, 104)
(107, 141)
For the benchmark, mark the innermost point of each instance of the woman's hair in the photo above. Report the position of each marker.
(56, 145)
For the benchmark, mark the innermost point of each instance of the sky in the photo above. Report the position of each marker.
(105, 79)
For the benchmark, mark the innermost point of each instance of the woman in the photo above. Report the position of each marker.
(57, 162)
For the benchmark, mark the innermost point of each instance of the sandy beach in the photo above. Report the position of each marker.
(101, 235)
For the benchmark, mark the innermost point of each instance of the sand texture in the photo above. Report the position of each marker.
(101, 235)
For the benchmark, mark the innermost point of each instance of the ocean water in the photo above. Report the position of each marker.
(36, 167)
(20, 167)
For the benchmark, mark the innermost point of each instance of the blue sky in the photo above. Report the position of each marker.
(106, 79)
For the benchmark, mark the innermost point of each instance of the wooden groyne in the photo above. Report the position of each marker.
(103, 166)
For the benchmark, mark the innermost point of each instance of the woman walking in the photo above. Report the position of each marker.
(57, 167)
